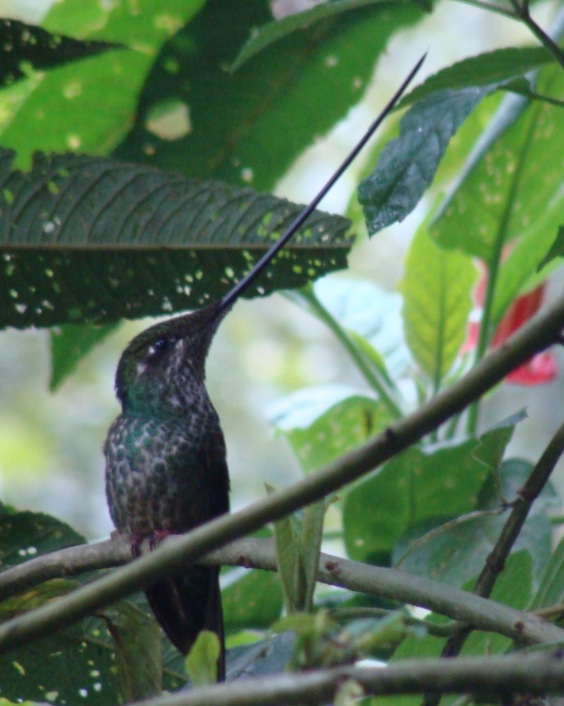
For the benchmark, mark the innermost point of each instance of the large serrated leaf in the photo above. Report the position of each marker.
(92, 239)
(248, 127)
(437, 288)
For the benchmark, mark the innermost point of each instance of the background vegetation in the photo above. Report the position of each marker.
(127, 127)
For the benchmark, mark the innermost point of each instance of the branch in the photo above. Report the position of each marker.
(335, 571)
(485, 676)
(535, 336)
(498, 556)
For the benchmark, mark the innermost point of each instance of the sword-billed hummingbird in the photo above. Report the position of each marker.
(166, 469)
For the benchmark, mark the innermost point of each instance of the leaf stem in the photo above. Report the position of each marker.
(307, 293)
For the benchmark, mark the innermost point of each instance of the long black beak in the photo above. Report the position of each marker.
(234, 293)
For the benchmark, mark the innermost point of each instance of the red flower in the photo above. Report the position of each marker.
(541, 367)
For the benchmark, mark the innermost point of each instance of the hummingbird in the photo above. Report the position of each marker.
(166, 468)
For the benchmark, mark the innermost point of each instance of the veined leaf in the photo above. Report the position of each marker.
(92, 239)
(500, 196)
(437, 287)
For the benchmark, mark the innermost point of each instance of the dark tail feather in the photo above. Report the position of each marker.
(187, 603)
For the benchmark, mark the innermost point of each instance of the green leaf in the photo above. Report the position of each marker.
(69, 344)
(286, 541)
(408, 164)
(551, 589)
(297, 22)
(24, 535)
(75, 661)
(52, 117)
(437, 287)
(494, 67)
(252, 601)
(137, 643)
(512, 588)
(310, 548)
(370, 312)
(324, 422)
(556, 250)
(500, 196)
(455, 551)
(96, 228)
(248, 127)
(201, 662)
(417, 488)
(25, 47)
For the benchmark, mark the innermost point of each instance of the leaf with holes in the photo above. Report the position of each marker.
(88, 104)
(92, 239)
(249, 126)
(501, 196)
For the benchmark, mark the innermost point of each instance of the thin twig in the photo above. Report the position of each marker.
(485, 676)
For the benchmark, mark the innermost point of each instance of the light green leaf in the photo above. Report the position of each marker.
(322, 423)
(252, 601)
(52, 116)
(201, 663)
(286, 540)
(556, 249)
(551, 589)
(500, 196)
(310, 548)
(437, 287)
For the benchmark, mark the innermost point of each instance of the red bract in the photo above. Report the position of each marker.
(541, 367)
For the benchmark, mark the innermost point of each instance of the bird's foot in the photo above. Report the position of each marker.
(155, 538)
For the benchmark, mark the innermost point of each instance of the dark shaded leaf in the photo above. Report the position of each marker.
(137, 645)
(24, 535)
(408, 164)
(296, 22)
(92, 239)
(248, 127)
(268, 656)
(24, 46)
(492, 67)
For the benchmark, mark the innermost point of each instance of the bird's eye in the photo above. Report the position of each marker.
(161, 345)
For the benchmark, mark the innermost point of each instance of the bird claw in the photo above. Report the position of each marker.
(155, 538)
